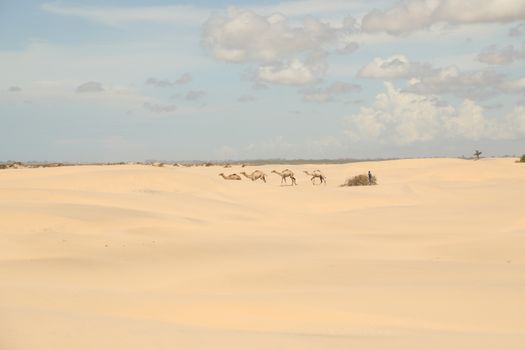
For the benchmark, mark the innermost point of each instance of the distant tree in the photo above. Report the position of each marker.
(522, 159)
(477, 154)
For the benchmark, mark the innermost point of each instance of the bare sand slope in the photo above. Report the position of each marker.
(136, 257)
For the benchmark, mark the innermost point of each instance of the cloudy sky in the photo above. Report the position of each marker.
(108, 80)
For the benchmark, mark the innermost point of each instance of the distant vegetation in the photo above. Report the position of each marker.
(477, 154)
(360, 180)
(522, 159)
(188, 163)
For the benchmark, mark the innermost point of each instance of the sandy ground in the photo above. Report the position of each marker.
(138, 257)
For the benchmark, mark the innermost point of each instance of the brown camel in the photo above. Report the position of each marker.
(230, 177)
(284, 174)
(256, 175)
(316, 174)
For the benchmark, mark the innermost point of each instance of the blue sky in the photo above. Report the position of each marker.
(132, 80)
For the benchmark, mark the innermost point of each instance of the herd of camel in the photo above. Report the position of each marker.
(286, 173)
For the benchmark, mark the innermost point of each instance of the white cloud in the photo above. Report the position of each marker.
(90, 86)
(195, 95)
(517, 30)
(515, 122)
(396, 116)
(243, 36)
(411, 15)
(293, 72)
(329, 93)
(246, 98)
(481, 11)
(159, 82)
(425, 79)
(505, 55)
(514, 86)
(405, 118)
(468, 121)
(394, 67)
(301, 8)
(284, 54)
(176, 14)
(159, 108)
(182, 80)
(406, 16)
(348, 48)
(451, 80)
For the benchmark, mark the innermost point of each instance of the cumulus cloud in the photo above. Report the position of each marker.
(159, 108)
(348, 48)
(246, 98)
(329, 93)
(293, 72)
(406, 16)
(195, 95)
(411, 15)
(514, 86)
(394, 67)
(14, 89)
(182, 80)
(505, 55)
(425, 79)
(406, 118)
(517, 30)
(301, 8)
(159, 82)
(243, 36)
(397, 116)
(259, 85)
(284, 54)
(465, 84)
(90, 87)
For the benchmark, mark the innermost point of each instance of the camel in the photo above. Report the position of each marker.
(284, 174)
(256, 175)
(230, 177)
(316, 174)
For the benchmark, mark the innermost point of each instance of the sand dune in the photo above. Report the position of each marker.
(138, 257)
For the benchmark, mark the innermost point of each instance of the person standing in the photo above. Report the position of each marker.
(369, 177)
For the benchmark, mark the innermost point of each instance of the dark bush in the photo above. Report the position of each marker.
(360, 180)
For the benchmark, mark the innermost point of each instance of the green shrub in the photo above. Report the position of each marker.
(522, 159)
(360, 180)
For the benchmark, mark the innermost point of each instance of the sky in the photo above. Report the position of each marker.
(118, 80)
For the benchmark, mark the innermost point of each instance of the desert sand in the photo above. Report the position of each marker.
(142, 257)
